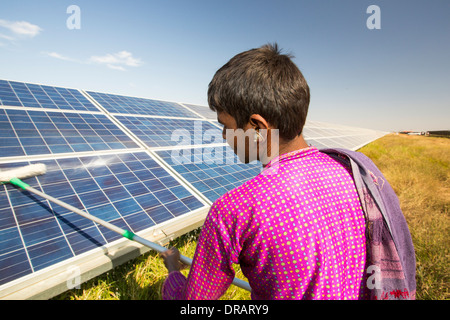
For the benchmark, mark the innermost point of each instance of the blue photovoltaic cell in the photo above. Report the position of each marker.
(211, 170)
(129, 190)
(141, 106)
(202, 110)
(24, 132)
(158, 132)
(29, 95)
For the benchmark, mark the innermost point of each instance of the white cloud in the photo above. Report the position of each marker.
(59, 56)
(111, 66)
(21, 28)
(3, 36)
(117, 60)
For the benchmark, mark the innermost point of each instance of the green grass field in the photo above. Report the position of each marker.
(418, 168)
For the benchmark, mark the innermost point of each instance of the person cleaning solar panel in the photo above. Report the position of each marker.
(314, 224)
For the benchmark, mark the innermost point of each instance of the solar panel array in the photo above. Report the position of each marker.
(137, 163)
(327, 135)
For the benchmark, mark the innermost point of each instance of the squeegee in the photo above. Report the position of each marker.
(14, 177)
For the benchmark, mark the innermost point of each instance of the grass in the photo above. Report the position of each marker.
(142, 278)
(418, 170)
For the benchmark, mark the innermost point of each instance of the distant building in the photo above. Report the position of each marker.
(438, 133)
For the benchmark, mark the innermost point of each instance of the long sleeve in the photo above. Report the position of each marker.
(211, 272)
(173, 286)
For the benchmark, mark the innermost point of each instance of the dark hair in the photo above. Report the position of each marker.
(262, 81)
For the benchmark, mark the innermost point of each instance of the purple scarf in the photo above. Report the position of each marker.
(391, 262)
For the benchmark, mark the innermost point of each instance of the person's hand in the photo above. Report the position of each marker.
(171, 259)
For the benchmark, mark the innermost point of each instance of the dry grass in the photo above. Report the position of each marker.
(142, 278)
(418, 170)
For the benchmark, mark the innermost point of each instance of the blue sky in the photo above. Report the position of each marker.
(393, 78)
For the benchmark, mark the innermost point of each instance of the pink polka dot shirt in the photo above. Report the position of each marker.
(297, 230)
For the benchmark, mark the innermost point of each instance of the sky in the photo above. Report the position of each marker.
(386, 69)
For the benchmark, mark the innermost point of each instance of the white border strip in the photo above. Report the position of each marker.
(50, 110)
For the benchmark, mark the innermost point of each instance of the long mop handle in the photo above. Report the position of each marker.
(125, 233)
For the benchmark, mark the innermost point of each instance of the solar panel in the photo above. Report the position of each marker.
(130, 190)
(211, 170)
(130, 105)
(94, 163)
(13, 93)
(26, 133)
(157, 132)
(202, 110)
(327, 135)
(149, 166)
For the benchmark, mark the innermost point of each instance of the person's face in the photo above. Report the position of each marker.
(240, 140)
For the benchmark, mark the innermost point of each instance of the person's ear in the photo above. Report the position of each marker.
(261, 127)
(258, 122)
